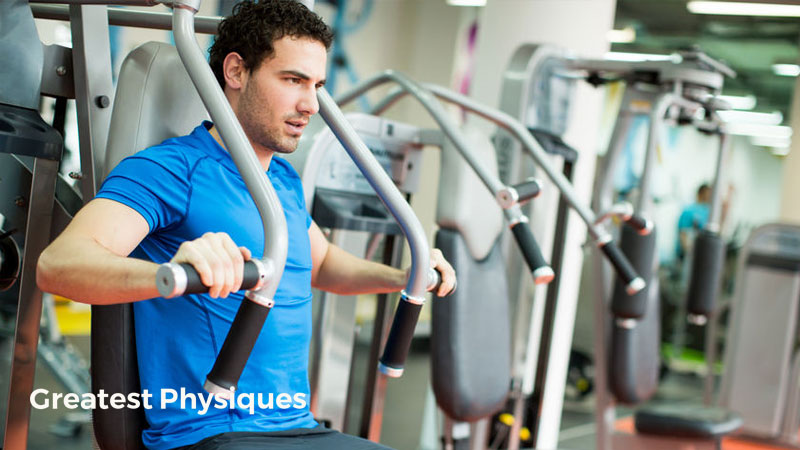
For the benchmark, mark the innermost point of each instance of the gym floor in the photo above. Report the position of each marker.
(402, 417)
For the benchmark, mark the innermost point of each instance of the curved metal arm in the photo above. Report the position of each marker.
(437, 112)
(529, 144)
(398, 342)
(386, 190)
(511, 209)
(535, 151)
(238, 345)
(267, 202)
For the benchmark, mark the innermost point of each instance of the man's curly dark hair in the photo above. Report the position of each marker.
(254, 26)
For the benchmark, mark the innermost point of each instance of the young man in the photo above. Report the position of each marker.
(184, 201)
(695, 216)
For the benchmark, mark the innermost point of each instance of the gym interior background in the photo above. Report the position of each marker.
(467, 48)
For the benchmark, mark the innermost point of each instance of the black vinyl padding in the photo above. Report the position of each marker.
(634, 359)
(114, 368)
(684, 420)
(708, 261)
(640, 251)
(470, 340)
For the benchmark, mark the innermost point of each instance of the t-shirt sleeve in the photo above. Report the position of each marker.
(154, 182)
(685, 220)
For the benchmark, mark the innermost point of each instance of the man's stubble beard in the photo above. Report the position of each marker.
(257, 132)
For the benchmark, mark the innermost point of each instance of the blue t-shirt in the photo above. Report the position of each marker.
(185, 187)
(692, 218)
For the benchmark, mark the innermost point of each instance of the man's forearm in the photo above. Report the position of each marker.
(82, 270)
(345, 274)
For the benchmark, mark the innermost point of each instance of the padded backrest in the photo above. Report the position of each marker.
(470, 340)
(155, 100)
(470, 337)
(464, 203)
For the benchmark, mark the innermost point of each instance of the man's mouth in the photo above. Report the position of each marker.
(296, 126)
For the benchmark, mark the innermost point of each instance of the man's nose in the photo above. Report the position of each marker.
(308, 104)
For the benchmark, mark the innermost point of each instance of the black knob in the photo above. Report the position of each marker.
(102, 101)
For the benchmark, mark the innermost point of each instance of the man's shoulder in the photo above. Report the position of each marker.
(175, 153)
(285, 169)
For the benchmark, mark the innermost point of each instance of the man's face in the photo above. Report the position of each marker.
(279, 96)
(704, 196)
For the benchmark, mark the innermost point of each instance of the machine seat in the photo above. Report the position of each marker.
(686, 420)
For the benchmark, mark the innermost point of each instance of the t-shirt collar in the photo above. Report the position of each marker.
(213, 147)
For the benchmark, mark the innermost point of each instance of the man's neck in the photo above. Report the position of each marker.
(264, 157)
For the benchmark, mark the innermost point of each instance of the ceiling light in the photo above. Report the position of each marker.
(749, 117)
(762, 141)
(743, 9)
(638, 57)
(466, 2)
(740, 102)
(786, 70)
(623, 36)
(758, 130)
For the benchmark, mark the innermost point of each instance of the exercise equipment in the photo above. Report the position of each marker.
(628, 369)
(340, 199)
(460, 361)
(115, 431)
(626, 333)
(761, 364)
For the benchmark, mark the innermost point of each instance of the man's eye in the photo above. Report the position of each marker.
(294, 80)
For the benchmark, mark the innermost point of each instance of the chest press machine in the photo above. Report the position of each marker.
(470, 384)
(114, 367)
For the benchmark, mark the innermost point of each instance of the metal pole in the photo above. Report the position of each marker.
(386, 190)
(715, 212)
(91, 57)
(266, 200)
(130, 18)
(663, 102)
(29, 311)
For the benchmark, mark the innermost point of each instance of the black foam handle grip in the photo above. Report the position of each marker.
(640, 224)
(527, 190)
(399, 340)
(541, 271)
(194, 285)
(708, 260)
(639, 250)
(633, 282)
(238, 344)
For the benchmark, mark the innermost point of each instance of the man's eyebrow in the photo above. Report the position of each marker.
(296, 73)
(301, 75)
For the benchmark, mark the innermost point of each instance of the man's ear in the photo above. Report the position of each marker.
(234, 71)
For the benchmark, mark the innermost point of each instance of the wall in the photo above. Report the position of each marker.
(790, 189)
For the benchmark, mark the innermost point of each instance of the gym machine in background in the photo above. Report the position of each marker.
(626, 332)
(627, 360)
(761, 364)
(456, 359)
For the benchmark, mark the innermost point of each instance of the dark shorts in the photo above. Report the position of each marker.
(296, 439)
